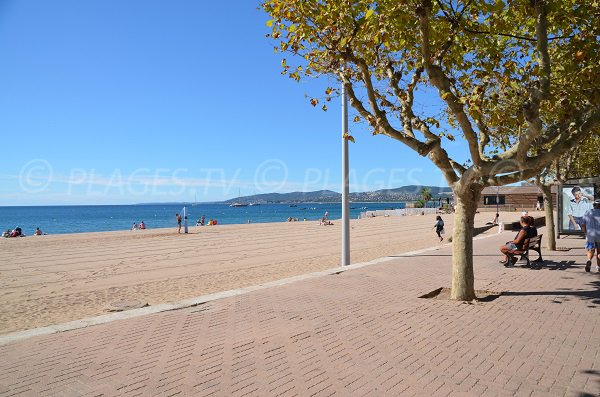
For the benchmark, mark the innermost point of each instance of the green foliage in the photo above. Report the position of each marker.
(426, 194)
(513, 76)
(585, 160)
(420, 203)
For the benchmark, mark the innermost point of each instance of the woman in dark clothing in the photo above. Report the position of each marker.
(439, 227)
(531, 229)
(517, 243)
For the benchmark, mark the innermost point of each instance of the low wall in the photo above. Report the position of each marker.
(399, 212)
(539, 222)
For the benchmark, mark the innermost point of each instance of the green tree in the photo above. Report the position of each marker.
(426, 194)
(511, 76)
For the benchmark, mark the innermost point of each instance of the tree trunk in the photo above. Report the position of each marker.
(463, 277)
(549, 209)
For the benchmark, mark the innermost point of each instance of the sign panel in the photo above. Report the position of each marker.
(573, 202)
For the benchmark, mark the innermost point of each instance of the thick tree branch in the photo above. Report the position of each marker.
(386, 129)
(366, 78)
(568, 135)
(541, 33)
(406, 98)
(458, 167)
(511, 178)
(531, 109)
(410, 90)
(579, 129)
(439, 79)
(378, 120)
(484, 137)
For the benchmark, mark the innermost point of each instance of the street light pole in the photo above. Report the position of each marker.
(345, 183)
(497, 198)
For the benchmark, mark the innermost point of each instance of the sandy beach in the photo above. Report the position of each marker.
(57, 278)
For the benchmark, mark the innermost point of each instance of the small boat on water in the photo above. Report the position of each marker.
(238, 205)
(293, 205)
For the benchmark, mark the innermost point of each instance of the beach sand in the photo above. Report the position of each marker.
(57, 278)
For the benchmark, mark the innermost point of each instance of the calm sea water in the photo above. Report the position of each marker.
(78, 219)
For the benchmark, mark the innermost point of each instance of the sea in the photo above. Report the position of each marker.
(102, 218)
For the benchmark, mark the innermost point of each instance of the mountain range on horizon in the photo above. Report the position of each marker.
(403, 193)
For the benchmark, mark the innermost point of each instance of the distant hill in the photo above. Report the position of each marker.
(404, 193)
(293, 197)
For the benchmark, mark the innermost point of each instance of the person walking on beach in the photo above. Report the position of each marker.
(591, 227)
(178, 218)
(439, 227)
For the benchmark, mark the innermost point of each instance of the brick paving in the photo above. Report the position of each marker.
(362, 332)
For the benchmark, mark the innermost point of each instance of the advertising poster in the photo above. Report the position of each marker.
(574, 201)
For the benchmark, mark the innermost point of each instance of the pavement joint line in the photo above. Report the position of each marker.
(192, 302)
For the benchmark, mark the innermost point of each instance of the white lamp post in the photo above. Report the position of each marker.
(345, 183)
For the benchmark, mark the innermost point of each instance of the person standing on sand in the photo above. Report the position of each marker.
(178, 218)
(439, 227)
(591, 228)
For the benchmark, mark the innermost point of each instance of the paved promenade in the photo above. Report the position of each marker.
(362, 332)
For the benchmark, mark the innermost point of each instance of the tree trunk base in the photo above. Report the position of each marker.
(445, 294)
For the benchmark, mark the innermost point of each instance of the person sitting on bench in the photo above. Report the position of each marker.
(531, 229)
(517, 243)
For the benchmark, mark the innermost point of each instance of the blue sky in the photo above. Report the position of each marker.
(116, 102)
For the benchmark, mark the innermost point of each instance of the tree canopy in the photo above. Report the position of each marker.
(512, 75)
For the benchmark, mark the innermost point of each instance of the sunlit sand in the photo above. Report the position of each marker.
(57, 278)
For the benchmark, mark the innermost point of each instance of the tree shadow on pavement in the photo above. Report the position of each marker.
(546, 264)
(594, 373)
(554, 265)
(591, 295)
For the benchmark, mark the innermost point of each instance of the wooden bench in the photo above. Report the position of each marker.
(533, 244)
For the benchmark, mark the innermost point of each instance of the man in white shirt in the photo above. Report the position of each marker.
(577, 208)
(591, 228)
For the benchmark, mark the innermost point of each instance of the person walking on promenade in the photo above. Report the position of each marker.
(591, 228)
(178, 218)
(439, 227)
